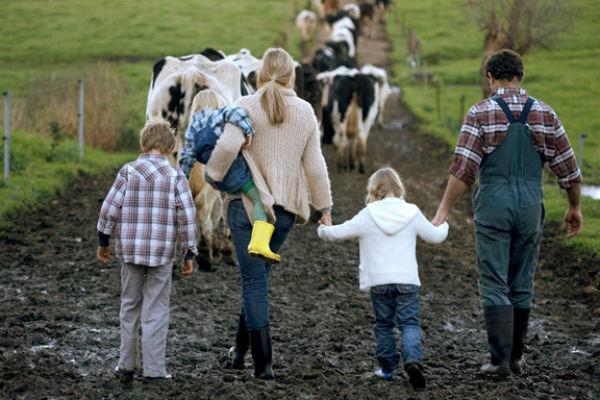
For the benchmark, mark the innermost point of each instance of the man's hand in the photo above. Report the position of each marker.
(187, 267)
(103, 254)
(454, 190)
(247, 143)
(573, 222)
(326, 219)
(440, 218)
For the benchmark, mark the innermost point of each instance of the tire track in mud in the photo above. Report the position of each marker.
(59, 320)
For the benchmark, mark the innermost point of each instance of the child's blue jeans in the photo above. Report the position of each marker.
(396, 305)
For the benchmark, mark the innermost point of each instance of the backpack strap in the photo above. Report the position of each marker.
(504, 107)
(526, 109)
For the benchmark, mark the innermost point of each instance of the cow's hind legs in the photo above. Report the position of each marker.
(361, 154)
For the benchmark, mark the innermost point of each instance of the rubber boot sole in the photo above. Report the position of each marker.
(415, 377)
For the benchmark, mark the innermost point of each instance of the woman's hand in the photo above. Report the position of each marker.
(326, 219)
(247, 143)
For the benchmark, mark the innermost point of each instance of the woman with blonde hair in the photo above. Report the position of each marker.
(286, 162)
(387, 230)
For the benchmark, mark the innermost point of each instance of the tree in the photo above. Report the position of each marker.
(519, 25)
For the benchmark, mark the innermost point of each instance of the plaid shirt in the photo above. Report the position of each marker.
(213, 120)
(486, 126)
(149, 207)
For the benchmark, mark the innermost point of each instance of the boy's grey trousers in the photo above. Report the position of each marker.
(145, 293)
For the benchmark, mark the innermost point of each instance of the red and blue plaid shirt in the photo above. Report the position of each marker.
(149, 207)
(486, 126)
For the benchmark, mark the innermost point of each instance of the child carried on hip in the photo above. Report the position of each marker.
(209, 116)
(387, 230)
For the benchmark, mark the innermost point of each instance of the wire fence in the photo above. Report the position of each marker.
(45, 91)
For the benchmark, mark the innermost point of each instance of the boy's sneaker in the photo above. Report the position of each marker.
(158, 378)
(415, 376)
(380, 373)
(123, 375)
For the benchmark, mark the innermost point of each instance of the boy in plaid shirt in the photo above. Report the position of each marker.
(149, 208)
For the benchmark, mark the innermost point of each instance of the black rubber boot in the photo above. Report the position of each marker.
(521, 321)
(262, 353)
(499, 325)
(415, 376)
(242, 343)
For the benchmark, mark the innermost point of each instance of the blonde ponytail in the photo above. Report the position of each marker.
(276, 72)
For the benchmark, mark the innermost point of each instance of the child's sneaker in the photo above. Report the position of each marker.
(123, 375)
(380, 373)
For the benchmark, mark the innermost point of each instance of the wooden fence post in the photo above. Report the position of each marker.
(80, 115)
(6, 136)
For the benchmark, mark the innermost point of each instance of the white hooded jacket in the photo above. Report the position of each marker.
(387, 231)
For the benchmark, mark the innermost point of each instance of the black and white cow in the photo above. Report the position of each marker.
(384, 88)
(345, 31)
(354, 103)
(176, 80)
(326, 79)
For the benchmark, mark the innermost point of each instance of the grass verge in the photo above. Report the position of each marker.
(42, 167)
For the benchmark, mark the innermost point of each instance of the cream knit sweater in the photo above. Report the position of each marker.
(285, 160)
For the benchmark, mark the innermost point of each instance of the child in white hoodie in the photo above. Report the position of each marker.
(387, 229)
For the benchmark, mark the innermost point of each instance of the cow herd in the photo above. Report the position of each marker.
(347, 99)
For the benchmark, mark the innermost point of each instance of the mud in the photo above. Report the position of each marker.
(59, 333)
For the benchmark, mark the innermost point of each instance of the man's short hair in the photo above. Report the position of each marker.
(505, 65)
(157, 135)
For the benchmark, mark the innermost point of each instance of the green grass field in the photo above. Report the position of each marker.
(70, 39)
(564, 76)
(43, 167)
(47, 46)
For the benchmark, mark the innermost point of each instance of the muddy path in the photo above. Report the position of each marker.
(59, 331)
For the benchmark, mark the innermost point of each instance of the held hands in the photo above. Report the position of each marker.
(326, 219)
(440, 218)
(103, 254)
(187, 267)
(573, 222)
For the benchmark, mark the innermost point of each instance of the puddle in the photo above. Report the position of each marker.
(35, 349)
(393, 125)
(394, 89)
(591, 191)
(575, 350)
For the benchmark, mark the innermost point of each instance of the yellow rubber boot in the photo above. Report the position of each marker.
(259, 244)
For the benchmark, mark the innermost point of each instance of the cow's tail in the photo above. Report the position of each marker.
(353, 118)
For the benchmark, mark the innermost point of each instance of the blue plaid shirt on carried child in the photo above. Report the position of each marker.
(205, 129)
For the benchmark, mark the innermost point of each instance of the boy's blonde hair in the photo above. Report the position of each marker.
(157, 135)
(207, 99)
(384, 182)
(277, 70)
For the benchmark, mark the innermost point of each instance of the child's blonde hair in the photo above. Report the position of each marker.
(277, 71)
(207, 99)
(157, 135)
(384, 182)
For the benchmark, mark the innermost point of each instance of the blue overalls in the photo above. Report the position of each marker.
(509, 216)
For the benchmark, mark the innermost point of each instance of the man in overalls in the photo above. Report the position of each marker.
(505, 139)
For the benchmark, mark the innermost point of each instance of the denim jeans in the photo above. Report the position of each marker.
(396, 305)
(255, 271)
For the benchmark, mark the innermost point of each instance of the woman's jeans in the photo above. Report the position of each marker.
(396, 305)
(254, 271)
